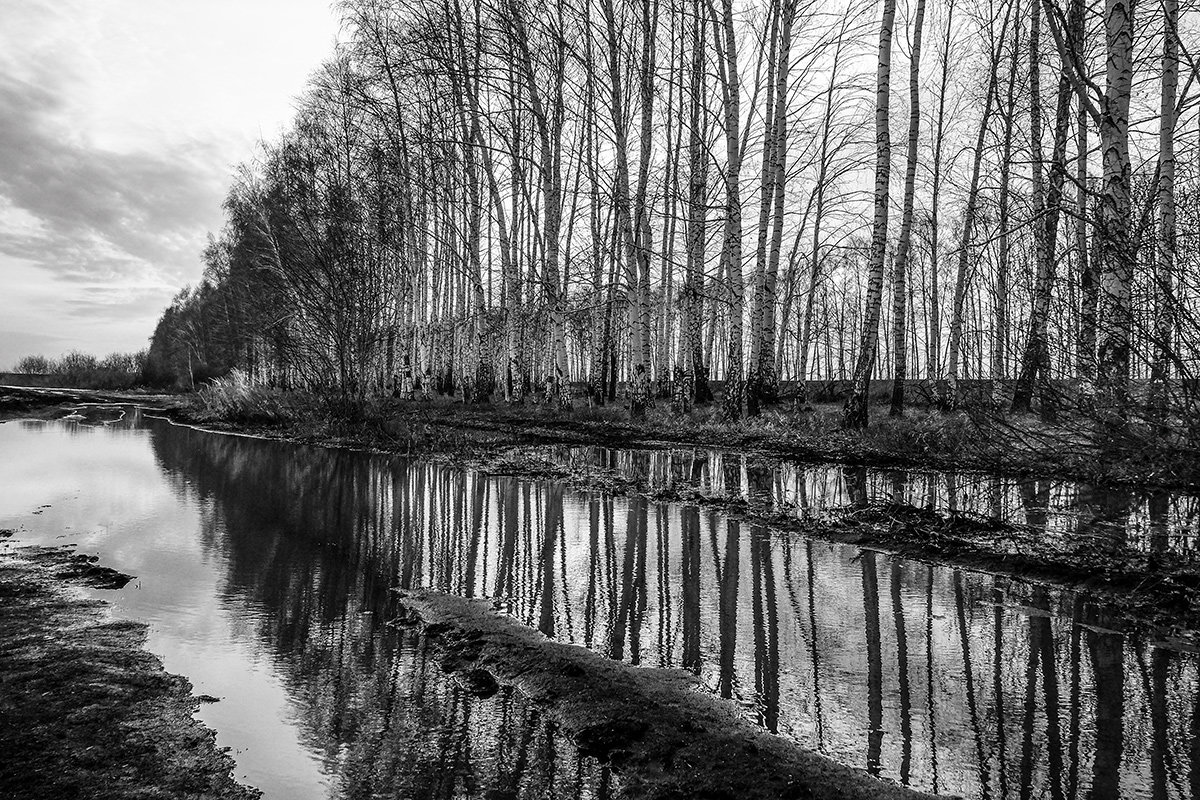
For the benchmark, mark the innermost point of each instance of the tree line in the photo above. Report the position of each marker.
(701, 198)
(84, 370)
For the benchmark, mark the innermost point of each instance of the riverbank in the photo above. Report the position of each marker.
(85, 710)
(24, 402)
(924, 438)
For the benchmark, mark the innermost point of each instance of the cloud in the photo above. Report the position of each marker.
(90, 214)
(109, 302)
(120, 125)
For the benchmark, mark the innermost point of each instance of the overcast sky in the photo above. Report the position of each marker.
(121, 122)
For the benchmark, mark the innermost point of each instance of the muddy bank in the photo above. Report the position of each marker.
(663, 736)
(85, 711)
(21, 402)
(1014, 445)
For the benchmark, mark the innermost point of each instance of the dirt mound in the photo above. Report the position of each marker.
(663, 737)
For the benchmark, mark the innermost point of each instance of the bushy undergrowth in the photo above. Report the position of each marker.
(978, 438)
(923, 432)
(236, 398)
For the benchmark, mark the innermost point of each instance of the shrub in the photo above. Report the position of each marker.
(128, 363)
(924, 432)
(34, 365)
(76, 366)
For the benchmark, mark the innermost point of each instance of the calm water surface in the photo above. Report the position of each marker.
(264, 568)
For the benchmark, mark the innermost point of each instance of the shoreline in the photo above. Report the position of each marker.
(1012, 446)
(84, 704)
(923, 439)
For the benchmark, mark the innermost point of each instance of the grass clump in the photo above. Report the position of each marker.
(237, 398)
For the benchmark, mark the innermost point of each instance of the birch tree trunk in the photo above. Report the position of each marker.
(934, 344)
(691, 326)
(513, 290)
(1116, 252)
(1113, 262)
(904, 246)
(460, 75)
(1085, 343)
(1160, 371)
(855, 414)
(731, 255)
(1035, 362)
(624, 216)
(758, 309)
(599, 317)
(641, 208)
(1000, 299)
(548, 124)
(767, 362)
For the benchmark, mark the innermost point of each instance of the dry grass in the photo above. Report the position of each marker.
(236, 398)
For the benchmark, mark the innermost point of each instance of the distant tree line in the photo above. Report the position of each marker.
(499, 197)
(86, 371)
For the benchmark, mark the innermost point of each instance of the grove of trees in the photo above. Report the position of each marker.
(696, 197)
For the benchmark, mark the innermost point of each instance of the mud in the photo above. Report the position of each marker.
(19, 402)
(662, 735)
(85, 711)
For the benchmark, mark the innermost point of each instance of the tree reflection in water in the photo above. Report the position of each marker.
(946, 680)
(406, 730)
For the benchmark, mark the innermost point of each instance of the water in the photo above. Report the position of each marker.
(1064, 514)
(264, 568)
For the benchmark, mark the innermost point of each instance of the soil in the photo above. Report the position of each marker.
(19, 402)
(85, 710)
(664, 737)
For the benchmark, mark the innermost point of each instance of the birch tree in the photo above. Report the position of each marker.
(904, 246)
(855, 413)
(725, 40)
(1166, 264)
